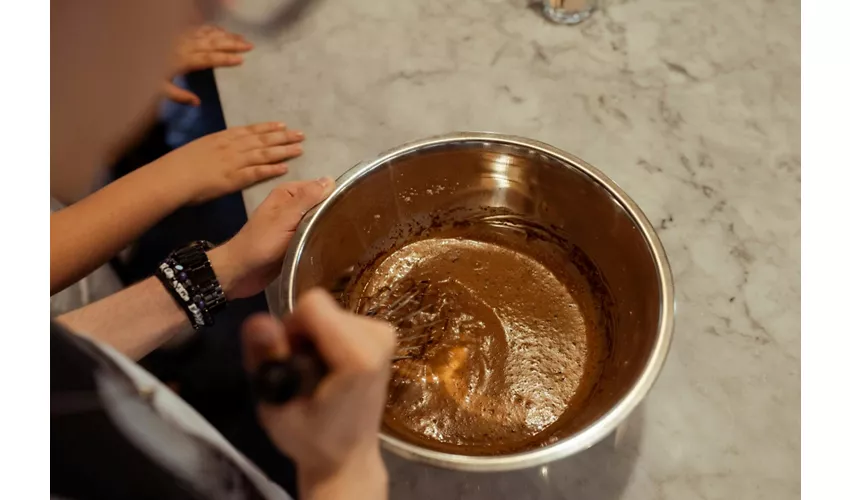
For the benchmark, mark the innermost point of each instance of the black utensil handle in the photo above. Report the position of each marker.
(277, 382)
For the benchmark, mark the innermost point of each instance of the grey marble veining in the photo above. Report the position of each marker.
(693, 107)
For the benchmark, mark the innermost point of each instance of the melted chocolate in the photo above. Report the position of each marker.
(513, 342)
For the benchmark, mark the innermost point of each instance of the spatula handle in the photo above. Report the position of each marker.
(278, 382)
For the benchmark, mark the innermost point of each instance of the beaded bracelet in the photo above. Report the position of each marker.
(191, 282)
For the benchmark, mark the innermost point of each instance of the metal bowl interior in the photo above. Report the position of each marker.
(534, 180)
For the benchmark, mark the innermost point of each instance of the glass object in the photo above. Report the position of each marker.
(255, 17)
(568, 11)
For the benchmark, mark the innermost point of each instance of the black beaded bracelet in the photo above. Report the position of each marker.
(188, 276)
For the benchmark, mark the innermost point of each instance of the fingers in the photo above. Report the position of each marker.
(288, 202)
(257, 128)
(264, 140)
(209, 47)
(206, 30)
(214, 37)
(347, 342)
(265, 144)
(293, 199)
(197, 61)
(301, 196)
(263, 339)
(257, 152)
(180, 96)
(274, 154)
(224, 42)
(252, 175)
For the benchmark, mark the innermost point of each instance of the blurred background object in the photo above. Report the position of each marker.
(261, 17)
(568, 11)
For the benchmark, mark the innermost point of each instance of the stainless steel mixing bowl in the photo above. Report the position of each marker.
(468, 170)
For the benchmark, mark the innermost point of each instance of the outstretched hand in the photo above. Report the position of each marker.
(203, 48)
(209, 47)
(230, 160)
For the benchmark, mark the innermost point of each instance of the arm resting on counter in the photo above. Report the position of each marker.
(85, 235)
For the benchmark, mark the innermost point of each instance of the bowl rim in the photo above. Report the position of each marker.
(601, 427)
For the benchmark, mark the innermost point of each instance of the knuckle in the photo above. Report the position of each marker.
(258, 156)
(384, 334)
(283, 193)
(368, 362)
(380, 347)
(271, 139)
(269, 171)
(267, 155)
(230, 157)
(252, 176)
(221, 142)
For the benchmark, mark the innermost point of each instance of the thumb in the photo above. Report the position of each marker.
(180, 96)
(263, 339)
(300, 196)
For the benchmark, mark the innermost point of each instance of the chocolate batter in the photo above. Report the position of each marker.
(501, 342)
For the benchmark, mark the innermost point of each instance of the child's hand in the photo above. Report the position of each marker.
(229, 161)
(209, 47)
(203, 48)
(249, 261)
(179, 95)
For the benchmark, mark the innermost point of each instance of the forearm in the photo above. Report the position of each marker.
(137, 320)
(134, 321)
(85, 235)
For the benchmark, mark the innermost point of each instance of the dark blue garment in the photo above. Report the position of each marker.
(187, 123)
(208, 370)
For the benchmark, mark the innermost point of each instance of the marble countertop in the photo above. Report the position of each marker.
(693, 107)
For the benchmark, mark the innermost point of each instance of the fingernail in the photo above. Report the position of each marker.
(297, 149)
(281, 125)
(325, 182)
(298, 134)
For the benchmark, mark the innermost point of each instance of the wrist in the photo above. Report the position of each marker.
(188, 275)
(176, 188)
(226, 269)
(362, 475)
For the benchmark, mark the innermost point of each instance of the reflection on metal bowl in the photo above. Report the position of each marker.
(382, 205)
